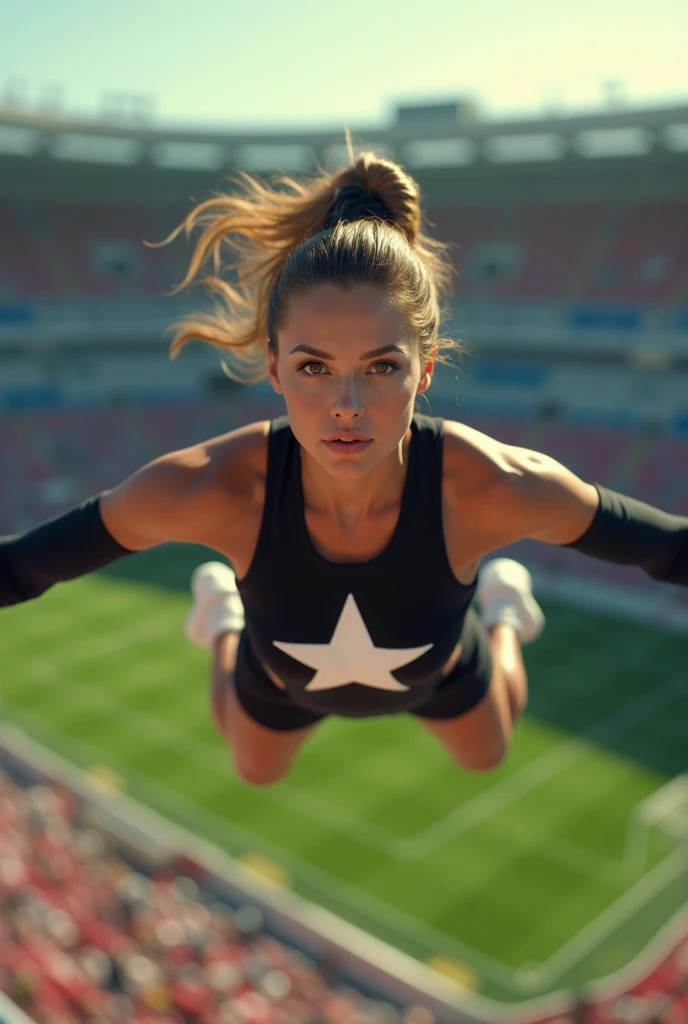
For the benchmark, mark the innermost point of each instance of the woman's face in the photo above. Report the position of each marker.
(347, 362)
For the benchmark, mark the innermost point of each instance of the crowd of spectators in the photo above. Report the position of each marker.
(86, 938)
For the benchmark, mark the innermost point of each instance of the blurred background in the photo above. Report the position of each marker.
(140, 881)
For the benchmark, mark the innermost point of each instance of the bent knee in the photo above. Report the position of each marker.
(259, 775)
(483, 760)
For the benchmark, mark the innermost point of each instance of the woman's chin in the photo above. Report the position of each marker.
(345, 469)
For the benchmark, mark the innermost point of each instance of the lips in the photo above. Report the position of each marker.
(348, 435)
(348, 447)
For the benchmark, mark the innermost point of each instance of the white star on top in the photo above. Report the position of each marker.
(351, 656)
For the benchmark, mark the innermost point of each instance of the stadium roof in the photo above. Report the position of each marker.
(438, 135)
(614, 154)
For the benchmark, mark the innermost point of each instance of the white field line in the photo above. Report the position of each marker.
(613, 916)
(534, 774)
(209, 824)
(287, 794)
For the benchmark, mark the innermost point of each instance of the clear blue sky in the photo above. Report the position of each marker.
(327, 62)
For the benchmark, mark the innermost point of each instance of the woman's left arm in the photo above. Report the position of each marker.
(554, 505)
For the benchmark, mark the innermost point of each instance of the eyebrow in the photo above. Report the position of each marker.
(366, 355)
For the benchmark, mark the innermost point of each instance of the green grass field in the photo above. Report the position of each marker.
(517, 875)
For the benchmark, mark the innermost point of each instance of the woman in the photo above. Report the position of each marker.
(354, 525)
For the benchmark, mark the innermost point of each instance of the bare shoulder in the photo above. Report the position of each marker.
(237, 460)
(190, 494)
(512, 492)
(474, 463)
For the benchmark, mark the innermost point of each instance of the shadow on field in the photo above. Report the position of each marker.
(589, 674)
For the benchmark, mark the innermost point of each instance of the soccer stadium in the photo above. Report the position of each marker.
(140, 879)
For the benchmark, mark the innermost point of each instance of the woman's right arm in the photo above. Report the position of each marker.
(167, 499)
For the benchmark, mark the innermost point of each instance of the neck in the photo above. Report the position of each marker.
(352, 500)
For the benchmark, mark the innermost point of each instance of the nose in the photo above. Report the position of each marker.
(347, 403)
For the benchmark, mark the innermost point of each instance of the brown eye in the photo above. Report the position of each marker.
(385, 363)
(309, 362)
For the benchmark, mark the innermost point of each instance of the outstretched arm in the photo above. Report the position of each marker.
(62, 548)
(552, 504)
(161, 501)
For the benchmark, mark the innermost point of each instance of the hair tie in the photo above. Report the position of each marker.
(352, 203)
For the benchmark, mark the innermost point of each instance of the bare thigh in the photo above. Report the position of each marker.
(479, 738)
(261, 756)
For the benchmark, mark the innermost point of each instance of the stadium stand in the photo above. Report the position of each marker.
(465, 229)
(22, 271)
(648, 256)
(101, 246)
(100, 925)
(104, 919)
(554, 240)
(560, 251)
(84, 935)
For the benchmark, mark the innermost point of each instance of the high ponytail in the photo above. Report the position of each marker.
(359, 225)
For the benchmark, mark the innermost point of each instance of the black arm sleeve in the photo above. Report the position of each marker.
(62, 548)
(629, 532)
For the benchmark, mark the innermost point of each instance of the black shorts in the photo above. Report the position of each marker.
(459, 692)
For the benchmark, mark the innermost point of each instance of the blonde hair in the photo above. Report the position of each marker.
(281, 244)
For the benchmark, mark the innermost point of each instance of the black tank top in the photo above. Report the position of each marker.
(354, 638)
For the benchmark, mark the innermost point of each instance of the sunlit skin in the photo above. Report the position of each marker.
(338, 390)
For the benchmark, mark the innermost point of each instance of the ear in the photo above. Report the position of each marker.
(426, 375)
(272, 372)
